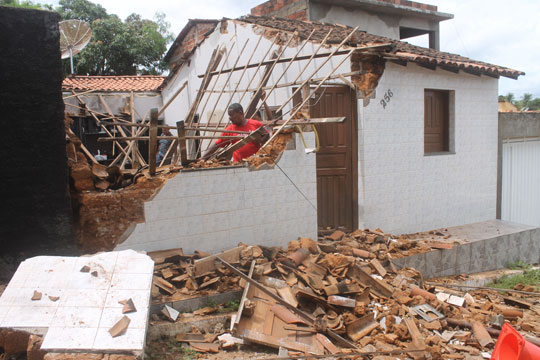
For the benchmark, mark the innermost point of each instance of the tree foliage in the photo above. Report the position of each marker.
(130, 47)
(25, 4)
(527, 102)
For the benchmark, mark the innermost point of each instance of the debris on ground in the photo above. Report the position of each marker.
(340, 295)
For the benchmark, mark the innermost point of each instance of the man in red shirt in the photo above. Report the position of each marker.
(238, 123)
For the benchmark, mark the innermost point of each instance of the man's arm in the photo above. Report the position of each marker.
(210, 151)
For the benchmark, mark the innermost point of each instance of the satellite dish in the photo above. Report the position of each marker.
(74, 36)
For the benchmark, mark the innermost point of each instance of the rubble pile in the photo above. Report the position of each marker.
(342, 295)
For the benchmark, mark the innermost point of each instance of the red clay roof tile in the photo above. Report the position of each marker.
(400, 50)
(113, 83)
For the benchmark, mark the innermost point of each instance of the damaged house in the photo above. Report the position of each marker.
(416, 151)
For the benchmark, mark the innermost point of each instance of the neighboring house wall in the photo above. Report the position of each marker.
(215, 209)
(384, 17)
(403, 190)
(118, 103)
(518, 170)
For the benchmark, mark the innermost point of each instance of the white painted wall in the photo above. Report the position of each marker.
(520, 180)
(215, 209)
(142, 102)
(402, 190)
(237, 34)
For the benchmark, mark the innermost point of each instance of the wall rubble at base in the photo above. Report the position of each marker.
(215, 209)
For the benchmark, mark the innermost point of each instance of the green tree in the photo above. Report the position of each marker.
(81, 10)
(135, 46)
(25, 4)
(525, 102)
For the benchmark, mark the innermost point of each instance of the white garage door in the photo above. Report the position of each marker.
(521, 181)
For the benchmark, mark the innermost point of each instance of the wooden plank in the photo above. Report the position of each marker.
(379, 286)
(162, 110)
(288, 296)
(305, 57)
(327, 344)
(308, 318)
(182, 142)
(212, 64)
(244, 295)
(152, 144)
(207, 264)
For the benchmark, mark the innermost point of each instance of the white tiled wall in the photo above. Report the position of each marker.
(401, 189)
(213, 210)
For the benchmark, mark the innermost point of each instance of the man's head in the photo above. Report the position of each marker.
(236, 114)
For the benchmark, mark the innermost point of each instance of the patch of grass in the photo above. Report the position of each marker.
(519, 265)
(167, 349)
(529, 277)
(230, 306)
(212, 304)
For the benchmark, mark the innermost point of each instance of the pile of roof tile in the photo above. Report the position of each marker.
(342, 295)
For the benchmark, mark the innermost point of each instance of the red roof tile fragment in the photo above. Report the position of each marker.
(113, 83)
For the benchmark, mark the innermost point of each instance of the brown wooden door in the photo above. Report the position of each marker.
(435, 121)
(337, 198)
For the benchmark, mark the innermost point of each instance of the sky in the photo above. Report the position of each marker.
(500, 32)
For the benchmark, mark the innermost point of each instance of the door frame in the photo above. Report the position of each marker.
(354, 150)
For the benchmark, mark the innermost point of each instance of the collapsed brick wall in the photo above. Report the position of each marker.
(103, 219)
(36, 214)
(194, 36)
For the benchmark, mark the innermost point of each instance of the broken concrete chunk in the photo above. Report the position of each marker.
(120, 327)
(170, 313)
(228, 340)
(36, 296)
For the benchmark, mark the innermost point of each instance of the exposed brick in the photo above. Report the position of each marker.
(34, 351)
(15, 342)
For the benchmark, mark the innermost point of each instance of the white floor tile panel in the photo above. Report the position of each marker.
(87, 306)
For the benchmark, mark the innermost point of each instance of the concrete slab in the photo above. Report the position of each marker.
(76, 308)
(482, 246)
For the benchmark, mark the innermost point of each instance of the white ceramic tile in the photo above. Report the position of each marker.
(141, 298)
(3, 312)
(86, 281)
(126, 265)
(77, 316)
(69, 338)
(27, 316)
(78, 297)
(132, 339)
(13, 296)
(131, 281)
(111, 315)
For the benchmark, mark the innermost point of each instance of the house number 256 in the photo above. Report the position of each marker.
(386, 98)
